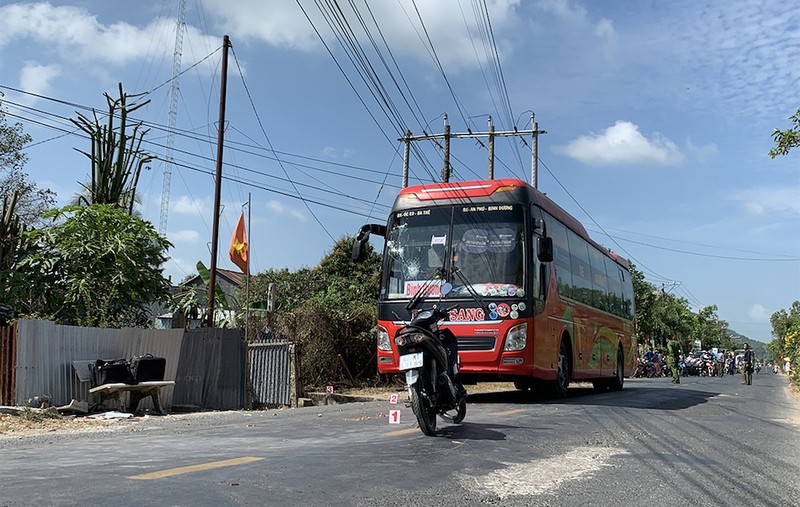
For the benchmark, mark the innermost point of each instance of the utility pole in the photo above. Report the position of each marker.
(491, 148)
(446, 168)
(406, 153)
(212, 283)
(535, 153)
(491, 134)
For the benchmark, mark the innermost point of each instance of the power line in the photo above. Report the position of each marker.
(210, 173)
(263, 130)
(232, 144)
(698, 254)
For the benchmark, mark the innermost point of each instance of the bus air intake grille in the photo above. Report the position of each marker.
(466, 343)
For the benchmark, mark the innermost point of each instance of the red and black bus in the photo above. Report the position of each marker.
(539, 302)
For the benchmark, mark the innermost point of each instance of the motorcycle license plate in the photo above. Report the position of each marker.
(410, 361)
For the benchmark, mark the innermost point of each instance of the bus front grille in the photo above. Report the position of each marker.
(466, 343)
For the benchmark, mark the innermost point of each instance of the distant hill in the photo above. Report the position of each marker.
(760, 348)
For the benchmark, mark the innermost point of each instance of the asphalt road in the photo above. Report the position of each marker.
(705, 442)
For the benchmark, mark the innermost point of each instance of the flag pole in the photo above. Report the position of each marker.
(247, 271)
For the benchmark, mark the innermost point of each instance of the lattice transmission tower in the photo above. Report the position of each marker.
(174, 91)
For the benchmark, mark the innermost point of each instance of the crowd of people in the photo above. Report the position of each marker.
(705, 363)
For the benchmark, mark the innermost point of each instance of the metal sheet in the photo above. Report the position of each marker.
(272, 374)
(211, 371)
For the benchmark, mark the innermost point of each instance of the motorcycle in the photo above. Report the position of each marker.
(429, 357)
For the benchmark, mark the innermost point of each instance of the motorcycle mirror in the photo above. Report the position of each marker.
(446, 288)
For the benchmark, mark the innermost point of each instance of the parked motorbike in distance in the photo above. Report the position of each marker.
(430, 361)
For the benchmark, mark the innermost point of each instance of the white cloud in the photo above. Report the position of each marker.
(77, 36)
(280, 209)
(758, 313)
(331, 152)
(701, 151)
(764, 200)
(622, 144)
(451, 25)
(184, 236)
(185, 205)
(37, 78)
(606, 33)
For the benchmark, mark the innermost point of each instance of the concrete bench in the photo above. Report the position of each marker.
(113, 393)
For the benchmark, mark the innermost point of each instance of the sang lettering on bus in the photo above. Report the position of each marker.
(467, 314)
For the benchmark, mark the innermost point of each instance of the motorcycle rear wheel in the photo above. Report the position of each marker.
(426, 415)
(457, 414)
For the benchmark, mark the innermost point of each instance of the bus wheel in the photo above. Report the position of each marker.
(616, 383)
(558, 387)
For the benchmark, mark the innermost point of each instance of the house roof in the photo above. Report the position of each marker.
(233, 277)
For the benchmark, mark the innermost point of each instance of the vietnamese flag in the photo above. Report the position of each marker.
(238, 249)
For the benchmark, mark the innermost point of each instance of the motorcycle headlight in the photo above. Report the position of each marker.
(402, 340)
(383, 339)
(517, 337)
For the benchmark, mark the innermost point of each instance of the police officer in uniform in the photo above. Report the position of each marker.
(747, 365)
(673, 354)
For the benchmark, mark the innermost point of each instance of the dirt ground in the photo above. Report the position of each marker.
(33, 422)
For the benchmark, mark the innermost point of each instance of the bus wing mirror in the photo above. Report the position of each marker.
(363, 237)
(544, 249)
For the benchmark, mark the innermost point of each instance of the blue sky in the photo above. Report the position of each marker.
(658, 116)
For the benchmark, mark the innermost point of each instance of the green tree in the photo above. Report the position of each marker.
(31, 201)
(786, 333)
(97, 266)
(658, 313)
(787, 139)
(116, 156)
(330, 309)
(710, 330)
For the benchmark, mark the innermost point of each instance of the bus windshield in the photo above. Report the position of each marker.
(477, 245)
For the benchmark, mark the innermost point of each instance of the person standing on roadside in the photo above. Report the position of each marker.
(747, 365)
(673, 354)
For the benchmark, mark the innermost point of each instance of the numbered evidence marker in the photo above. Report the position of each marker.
(329, 389)
(394, 417)
(393, 398)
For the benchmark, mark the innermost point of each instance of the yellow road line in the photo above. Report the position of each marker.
(195, 468)
(406, 431)
(509, 412)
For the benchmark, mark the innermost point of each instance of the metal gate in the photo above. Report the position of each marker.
(273, 369)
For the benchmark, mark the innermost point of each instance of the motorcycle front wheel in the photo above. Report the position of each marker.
(420, 404)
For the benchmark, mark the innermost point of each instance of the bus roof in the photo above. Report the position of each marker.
(500, 191)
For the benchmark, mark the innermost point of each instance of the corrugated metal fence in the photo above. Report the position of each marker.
(209, 366)
(274, 377)
(211, 371)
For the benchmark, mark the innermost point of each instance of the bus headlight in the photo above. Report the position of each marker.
(517, 337)
(383, 339)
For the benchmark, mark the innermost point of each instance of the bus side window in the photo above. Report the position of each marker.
(615, 294)
(558, 233)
